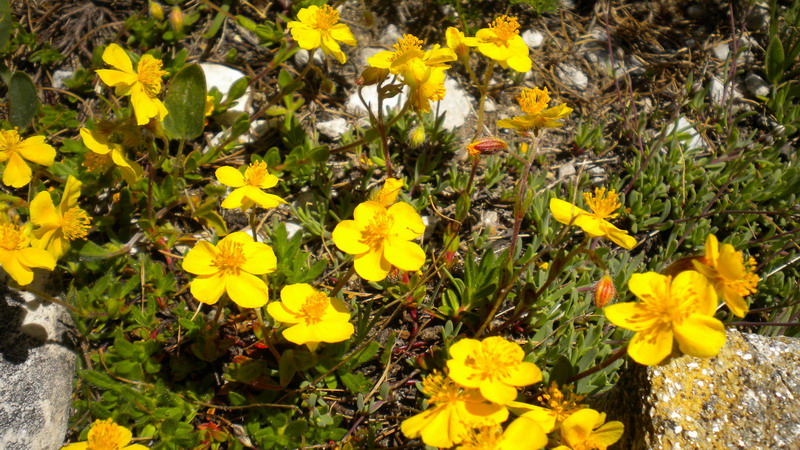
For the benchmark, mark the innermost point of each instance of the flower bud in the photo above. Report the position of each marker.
(156, 11)
(176, 19)
(486, 146)
(604, 291)
(417, 136)
(372, 75)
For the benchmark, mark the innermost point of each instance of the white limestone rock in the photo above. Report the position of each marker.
(222, 77)
(333, 128)
(572, 76)
(533, 39)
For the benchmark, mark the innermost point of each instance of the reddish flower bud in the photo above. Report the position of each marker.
(604, 291)
(486, 146)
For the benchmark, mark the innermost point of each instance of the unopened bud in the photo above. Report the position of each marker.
(486, 146)
(388, 193)
(604, 291)
(176, 19)
(156, 11)
(372, 75)
(417, 136)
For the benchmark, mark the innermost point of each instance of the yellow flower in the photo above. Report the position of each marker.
(248, 187)
(408, 49)
(209, 106)
(584, 430)
(319, 27)
(231, 266)
(533, 103)
(17, 257)
(732, 277)
(594, 223)
(15, 150)
(100, 143)
(57, 227)
(452, 412)
(379, 239)
(682, 308)
(106, 435)
(502, 42)
(457, 42)
(522, 434)
(316, 317)
(388, 193)
(494, 366)
(556, 407)
(143, 85)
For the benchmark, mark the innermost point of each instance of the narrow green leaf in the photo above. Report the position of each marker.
(774, 60)
(5, 24)
(22, 99)
(186, 101)
(217, 22)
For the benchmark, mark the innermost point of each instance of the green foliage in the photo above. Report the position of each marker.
(186, 102)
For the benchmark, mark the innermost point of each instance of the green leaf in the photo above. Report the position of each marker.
(774, 60)
(217, 22)
(186, 102)
(5, 24)
(23, 101)
(238, 88)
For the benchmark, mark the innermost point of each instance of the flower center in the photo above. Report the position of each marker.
(256, 173)
(487, 437)
(505, 28)
(746, 283)
(105, 436)
(95, 162)
(314, 308)
(75, 223)
(326, 18)
(230, 257)
(408, 43)
(12, 238)
(533, 101)
(602, 203)
(562, 405)
(150, 74)
(375, 233)
(440, 389)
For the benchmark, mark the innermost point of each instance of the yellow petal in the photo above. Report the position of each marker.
(294, 296)
(334, 331)
(413, 426)
(259, 258)
(620, 237)
(301, 334)
(649, 347)
(235, 199)
(564, 212)
(330, 47)
(607, 434)
(260, 197)
(692, 284)
(246, 290)
(735, 302)
(523, 434)
(208, 288)
(279, 312)
(366, 212)
(76, 446)
(631, 316)
(200, 259)
(444, 429)
(729, 263)
(17, 173)
(545, 418)
(342, 33)
(372, 266)
(712, 249)
(306, 37)
(72, 191)
(118, 79)
(497, 392)
(649, 286)
(144, 106)
(477, 411)
(230, 177)
(406, 222)
(592, 225)
(524, 374)
(577, 428)
(36, 257)
(16, 270)
(700, 336)
(95, 141)
(381, 60)
(116, 57)
(403, 254)
(43, 212)
(34, 149)
(347, 236)
(57, 246)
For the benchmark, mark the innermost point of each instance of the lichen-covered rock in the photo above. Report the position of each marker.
(37, 367)
(746, 397)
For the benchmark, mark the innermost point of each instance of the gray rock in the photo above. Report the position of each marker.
(756, 85)
(59, 76)
(333, 128)
(566, 170)
(745, 397)
(390, 35)
(759, 17)
(37, 367)
(489, 105)
(301, 58)
(223, 77)
(533, 38)
(370, 94)
(693, 139)
(718, 94)
(572, 76)
(721, 51)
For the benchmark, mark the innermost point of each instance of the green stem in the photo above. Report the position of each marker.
(342, 281)
(484, 89)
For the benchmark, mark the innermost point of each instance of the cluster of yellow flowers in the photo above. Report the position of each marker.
(468, 406)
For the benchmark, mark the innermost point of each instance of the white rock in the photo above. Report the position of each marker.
(572, 76)
(223, 77)
(370, 93)
(756, 85)
(717, 92)
(391, 34)
(693, 139)
(489, 105)
(301, 58)
(566, 170)
(334, 128)
(721, 51)
(292, 228)
(59, 76)
(490, 220)
(533, 38)
(457, 105)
